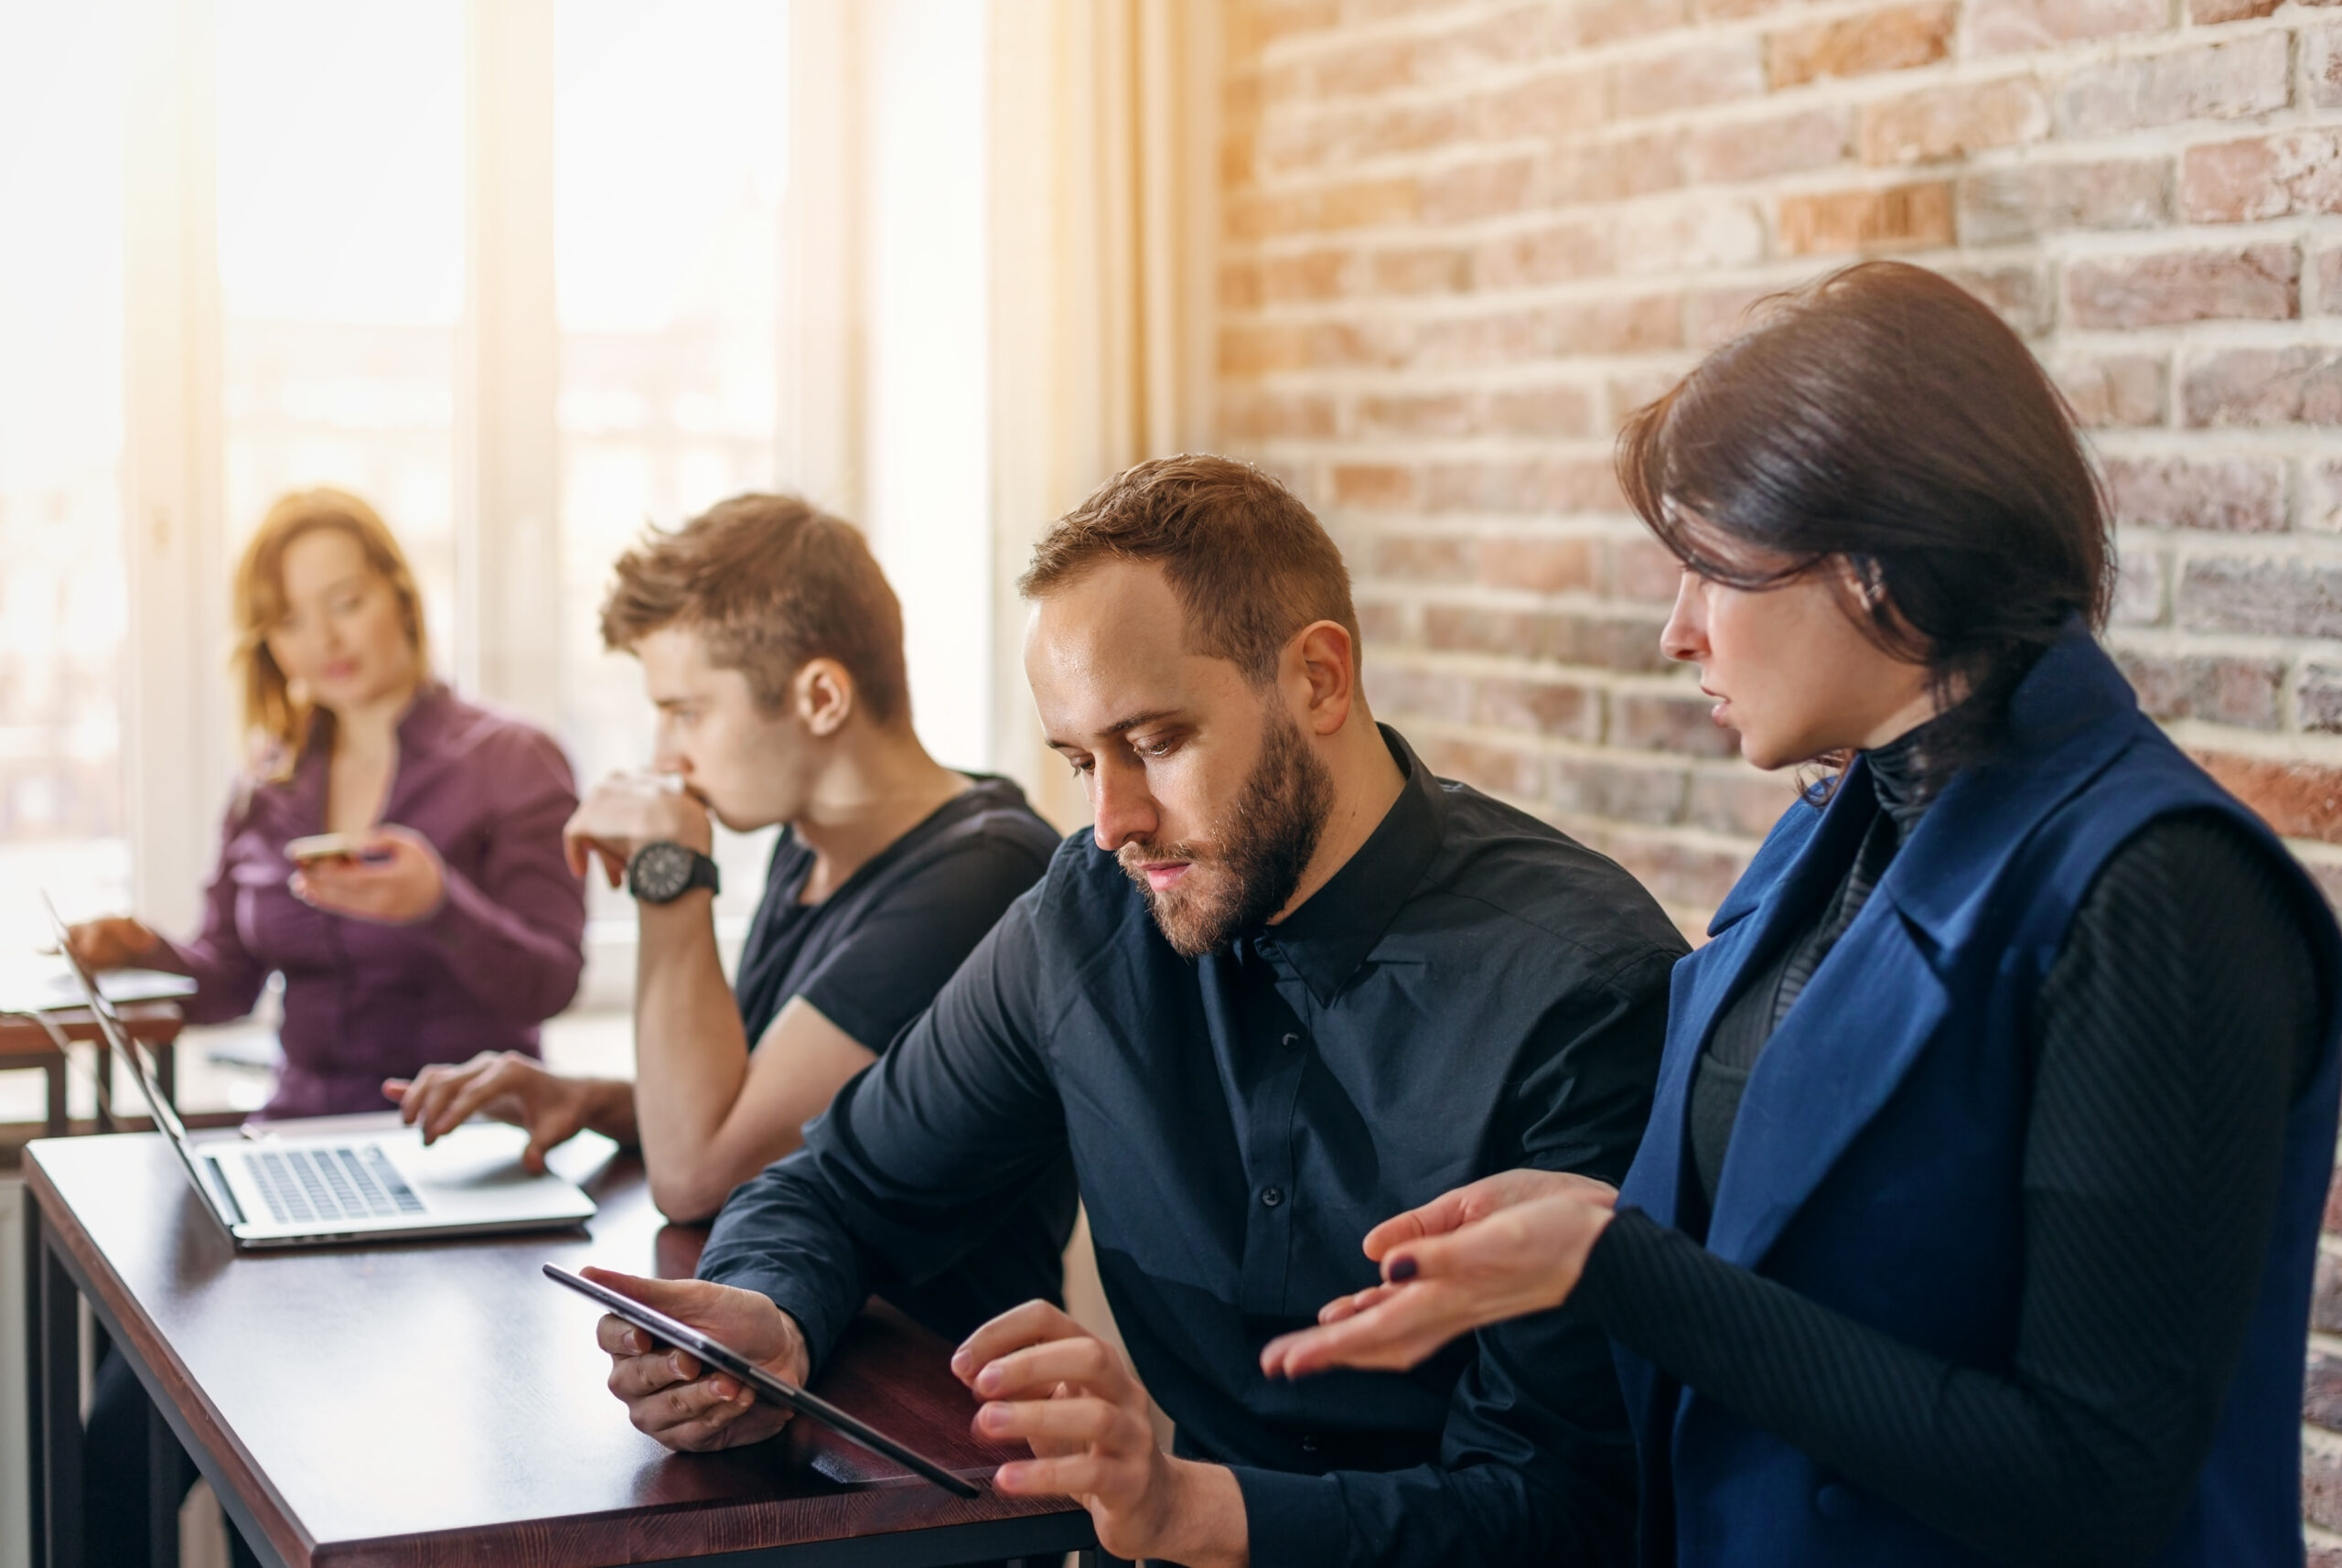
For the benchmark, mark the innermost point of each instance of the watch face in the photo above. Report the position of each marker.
(661, 873)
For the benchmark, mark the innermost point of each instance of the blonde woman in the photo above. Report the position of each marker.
(454, 926)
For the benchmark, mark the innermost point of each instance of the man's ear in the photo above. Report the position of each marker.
(823, 693)
(1323, 655)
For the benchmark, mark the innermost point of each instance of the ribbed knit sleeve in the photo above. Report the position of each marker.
(2173, 1030)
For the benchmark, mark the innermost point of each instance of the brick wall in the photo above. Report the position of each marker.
(1463, 239)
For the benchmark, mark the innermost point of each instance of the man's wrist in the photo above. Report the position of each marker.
(1204, 1521)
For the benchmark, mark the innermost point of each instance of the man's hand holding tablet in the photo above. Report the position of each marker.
(667, 1394)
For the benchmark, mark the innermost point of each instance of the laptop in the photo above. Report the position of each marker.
(314, 1189)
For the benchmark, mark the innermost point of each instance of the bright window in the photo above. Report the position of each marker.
(62, 823)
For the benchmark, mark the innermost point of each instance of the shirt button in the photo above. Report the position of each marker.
(1309, 1443)
(1292, 1042)
(1271, 1196)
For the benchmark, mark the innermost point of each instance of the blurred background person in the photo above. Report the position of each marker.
(454, 927)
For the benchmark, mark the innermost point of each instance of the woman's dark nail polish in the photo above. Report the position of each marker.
(1401, 1270)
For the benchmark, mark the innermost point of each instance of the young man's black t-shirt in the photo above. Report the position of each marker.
(872, 955)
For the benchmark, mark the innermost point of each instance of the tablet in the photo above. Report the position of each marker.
(788, 1396)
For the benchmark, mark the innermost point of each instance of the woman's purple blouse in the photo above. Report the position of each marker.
(364, 1001)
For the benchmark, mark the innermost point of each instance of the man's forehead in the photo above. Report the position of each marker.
(1109, 649)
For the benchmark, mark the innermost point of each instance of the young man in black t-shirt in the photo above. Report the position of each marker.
(772, 647)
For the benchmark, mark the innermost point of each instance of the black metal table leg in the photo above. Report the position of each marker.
(53, 1399)
(167, 1483)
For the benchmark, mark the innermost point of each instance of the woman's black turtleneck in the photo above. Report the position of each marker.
(2173, 1032)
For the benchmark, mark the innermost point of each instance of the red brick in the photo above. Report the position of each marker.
(1310, 275)
(2224, 82)
(2321, 50)
(2230, 494)
(1893, 39)
(1616, 169)
(1635, 326)
(2298, 799)
(1602, 642)
(1631, 390)
(1487, 339)
(1268, 417)
(2322, 1391)
(1677, 874)
(1761, 149)
(1607, 21)
(2142, 586)
(2273, 598)
(1368, 67)
(2120, 391)
(1651, 793)
(1527, 32)
(1399, 690)
(1686, 77)
(1643, 569)
(1644, 721)
(2242, 692)
(1561, 708)
(1537, 565)
(2321, 1489)
(1953, 121)
(2326, 1294)
(2332, 1219)
(1240, 286)
(1274, 19)
(2006, 206)
(1557, 410)
(1421, 269)
(2258, 283)
(2262, 176)
(1467, 192)
(2007, 27)
(2328, 273)
(2020, 294)
(1699, 235)
(2318, 707)
(1416, 558)
(2298, 385)
(1743, 802)
(1498, 769)
(1559, 252)
(2319, 504)
(1548, 484)
(1373, 485)
(2207, 12)
(1903, 217)
(1552, 104)
(1416, 414)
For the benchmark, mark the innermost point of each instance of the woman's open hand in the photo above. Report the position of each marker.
(1502, 1247)
(395, 879)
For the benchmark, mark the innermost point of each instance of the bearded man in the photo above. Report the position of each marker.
(1291, 982)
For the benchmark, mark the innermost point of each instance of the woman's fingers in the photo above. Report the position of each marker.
(1396, 1332)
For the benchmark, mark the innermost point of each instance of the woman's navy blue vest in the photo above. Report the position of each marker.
(1875, 1164)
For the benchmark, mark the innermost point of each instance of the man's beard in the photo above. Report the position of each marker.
(1258, 852)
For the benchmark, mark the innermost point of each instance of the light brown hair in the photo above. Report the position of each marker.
(770, 582)
(274, 713)
(1250, 563)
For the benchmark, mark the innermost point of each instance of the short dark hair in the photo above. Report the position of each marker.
(1884, 414)
(770, 582)
(1250, 563)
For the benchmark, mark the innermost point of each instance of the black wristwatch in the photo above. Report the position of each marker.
(662, 871)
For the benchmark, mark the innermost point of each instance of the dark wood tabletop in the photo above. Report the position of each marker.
(430, 1403)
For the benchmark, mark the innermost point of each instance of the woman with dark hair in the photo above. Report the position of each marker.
(1976, 1218)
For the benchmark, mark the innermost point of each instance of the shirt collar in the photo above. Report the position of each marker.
(1328, 939)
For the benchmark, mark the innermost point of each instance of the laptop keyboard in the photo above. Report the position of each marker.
(312, 1185)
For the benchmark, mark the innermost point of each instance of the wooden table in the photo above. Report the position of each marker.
(432, 1405)
(24, 1043)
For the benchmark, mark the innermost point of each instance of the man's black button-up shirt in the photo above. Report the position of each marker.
(1471, 992)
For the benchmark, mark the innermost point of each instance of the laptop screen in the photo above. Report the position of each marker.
(131, 1048)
